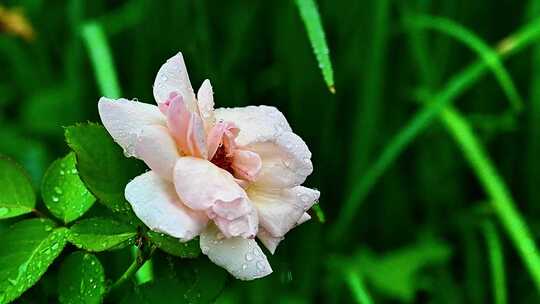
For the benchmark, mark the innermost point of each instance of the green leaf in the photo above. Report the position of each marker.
(102, 165)
(82, 279)
(16, 194)
(99, 234)
(28, 248)
(63, 191)
(312, 21)
(395, 273)
(174, 247)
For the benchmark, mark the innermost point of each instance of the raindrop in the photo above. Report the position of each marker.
(3, 211)
(205, 249)
(73, 171)
(55, 199)
(54, 246)
(62, 172)
(48, 228)
(249, 257)
(244, 266)
(260, 265)
(58, 190)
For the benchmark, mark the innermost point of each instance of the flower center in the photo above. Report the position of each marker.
(222, 160)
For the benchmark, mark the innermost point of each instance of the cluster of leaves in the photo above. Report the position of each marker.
(73, 232)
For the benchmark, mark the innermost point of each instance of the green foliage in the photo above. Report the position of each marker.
(174, 247)
(395, 274)
(16, 194)
(28, 248)
(82, 279)
(102, 166)
(99, 234)
(63, 192)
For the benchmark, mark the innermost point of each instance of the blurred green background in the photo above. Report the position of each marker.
(423, 203)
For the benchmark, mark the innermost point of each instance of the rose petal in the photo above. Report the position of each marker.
(256, 123)
(187, 128)
(242, 258)
(246, 164)
(157, 149)
(269, 241)
(286, 159)
(155, 202)
(205, 98)
(304, 218)
(124, 119)
(173, 77)
(203, 186)
(281, 210)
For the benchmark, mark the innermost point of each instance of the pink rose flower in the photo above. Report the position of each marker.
(227, 175)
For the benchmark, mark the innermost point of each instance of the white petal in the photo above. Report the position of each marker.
(282, 210)
(269, 241)
(242, 258)
(205, 98)
(155, 202)
(286, 159)
(157, 149)
(124, 119)
(256, 123)
(173, 77)
(305, 217)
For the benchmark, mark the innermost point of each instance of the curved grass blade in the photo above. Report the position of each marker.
(357, 287)
(484, 51)
(312, 21)
(502, 201)
(496, 260)
(454, 88)
(102, 61)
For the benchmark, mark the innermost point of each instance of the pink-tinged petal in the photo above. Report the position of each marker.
(203, 186)
(187, 128)
(157, 149)
(124, 119)
(205, 97)
(155, 202)
(269, 241)
(242, 258)
(246, 164)
(286, 159)
(281, 210)
(173, 77)
(222, 133)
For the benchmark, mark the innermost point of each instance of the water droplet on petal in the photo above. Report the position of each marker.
(249, 257)
(261, 266)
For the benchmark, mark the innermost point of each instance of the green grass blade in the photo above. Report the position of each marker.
(533, 142)
(368, 112)
(357, 287)
(484, 51)
(312, 21)
(101, 57)
(503, 203)
(496, 261)
(455, 87)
